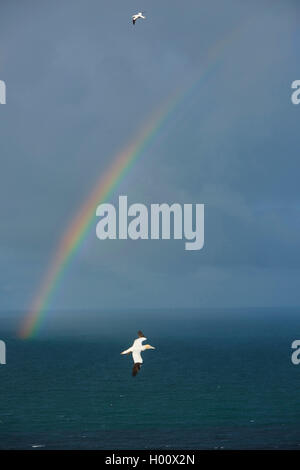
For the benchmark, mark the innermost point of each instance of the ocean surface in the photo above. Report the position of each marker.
(215, 381)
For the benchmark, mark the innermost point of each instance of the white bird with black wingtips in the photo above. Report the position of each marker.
(136, 350)
(138, 16)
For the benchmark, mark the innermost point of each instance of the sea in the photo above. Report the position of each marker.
(216, 380)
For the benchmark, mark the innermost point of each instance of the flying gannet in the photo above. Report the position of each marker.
(136, 350)
(137, 16)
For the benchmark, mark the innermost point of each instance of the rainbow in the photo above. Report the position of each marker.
(80, 225)
(108, 182)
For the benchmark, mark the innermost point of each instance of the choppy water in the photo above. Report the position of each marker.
(209, 384)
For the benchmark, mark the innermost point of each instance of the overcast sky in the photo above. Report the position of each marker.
(81, 81)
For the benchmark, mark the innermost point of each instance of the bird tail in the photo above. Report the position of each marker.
(136, 368)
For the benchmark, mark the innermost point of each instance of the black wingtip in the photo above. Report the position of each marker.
(140, 334)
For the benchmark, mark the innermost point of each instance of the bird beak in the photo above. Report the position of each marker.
(151, 347)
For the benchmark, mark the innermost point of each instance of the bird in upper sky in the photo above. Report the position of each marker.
(136, 350)
(137, 16)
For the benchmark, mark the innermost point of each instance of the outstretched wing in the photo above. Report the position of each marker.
(136, 368)
(140, 334)
(127, 351)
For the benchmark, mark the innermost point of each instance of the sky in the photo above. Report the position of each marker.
(81, 82)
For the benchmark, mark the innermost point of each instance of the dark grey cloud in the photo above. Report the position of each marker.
(81, 81)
